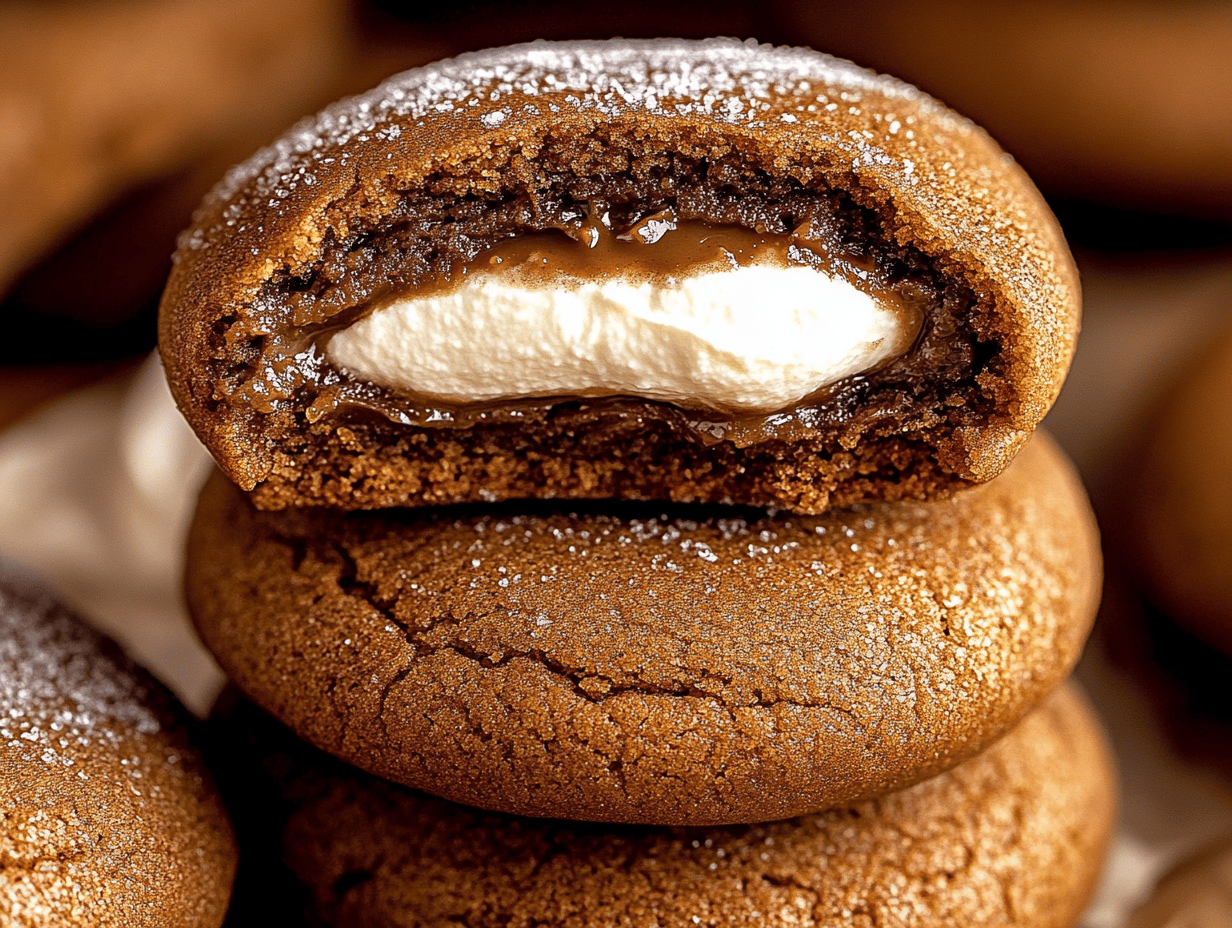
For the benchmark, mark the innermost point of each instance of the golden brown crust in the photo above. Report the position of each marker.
(109, 817)
(1013, 838)
(285, 243)
(1181, 501)
(654, 670)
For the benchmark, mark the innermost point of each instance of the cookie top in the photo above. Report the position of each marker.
(403, 188)
(1196, 892)
(1181, 500)
(711, 665)
(1015, 837)
(109, 816)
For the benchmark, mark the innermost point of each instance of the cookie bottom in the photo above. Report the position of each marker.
(1014, 837)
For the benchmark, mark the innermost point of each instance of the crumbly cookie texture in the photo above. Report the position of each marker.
(1015, 836)
(401, 187)
(710, 666)
(109, 817)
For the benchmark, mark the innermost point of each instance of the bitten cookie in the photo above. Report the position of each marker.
(1181, 501)
(708, 666)
(108, 817)
(1014, 837)
(696, 271)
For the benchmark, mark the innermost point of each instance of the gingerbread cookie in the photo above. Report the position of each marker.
(109, 817)
(696, 271)
(710, 665)
(1013, 837)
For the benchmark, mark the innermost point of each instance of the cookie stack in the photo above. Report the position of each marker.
(613, 433)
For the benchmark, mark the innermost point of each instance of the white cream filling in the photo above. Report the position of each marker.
(750, 339)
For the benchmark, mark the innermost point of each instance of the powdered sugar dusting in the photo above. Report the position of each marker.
(108, 816)
(61, 688)
(728, 80)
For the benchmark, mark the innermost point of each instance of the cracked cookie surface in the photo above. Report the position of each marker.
(1013, 838)
(107, 814)
(614, 664)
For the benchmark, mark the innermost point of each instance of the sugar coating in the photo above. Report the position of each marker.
(108, 816)
(617, 664)
(743, 83)
(59, 689)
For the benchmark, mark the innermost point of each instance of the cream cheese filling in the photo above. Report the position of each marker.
(749, 339)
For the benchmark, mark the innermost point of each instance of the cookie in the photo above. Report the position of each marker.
(1197, 892)
(1062, 86)
(688, 271)
(709, 665)
(1013, 837)
(98, 98)
(1180, 503)
(109, 817)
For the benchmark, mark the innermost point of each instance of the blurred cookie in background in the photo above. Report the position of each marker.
(116, 117)
(1197, 893)
(100, 95)
(1179, 504)
(1166, 512)
(96, 295)
(1128, 104)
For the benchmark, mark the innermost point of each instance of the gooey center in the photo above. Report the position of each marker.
(686, 313)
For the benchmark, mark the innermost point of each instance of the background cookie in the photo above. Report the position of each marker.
(1180, 504)
(693, 669)
(399, 190)
(1014, 837)
(1075, 91)
(1197, 893)
(108, 815)
(97, 96)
